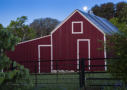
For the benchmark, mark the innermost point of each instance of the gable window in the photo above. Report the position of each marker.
(77, 27)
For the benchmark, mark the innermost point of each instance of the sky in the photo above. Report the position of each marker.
(35, 9)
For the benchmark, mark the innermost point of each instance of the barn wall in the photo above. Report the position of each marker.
(28, 51)
(65, 43)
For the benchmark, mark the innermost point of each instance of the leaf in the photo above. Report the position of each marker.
(15, 71)
(14, 64)
(19, 72)
(18, 64)
(1, 80)
(10, 75)
(12, 48)
(21, 67)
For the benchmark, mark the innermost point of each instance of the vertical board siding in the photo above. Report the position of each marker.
(83, 52)
(45, 55)
(76, 27)
(65, 43)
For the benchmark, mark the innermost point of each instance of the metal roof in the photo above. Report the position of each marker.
(102, 23)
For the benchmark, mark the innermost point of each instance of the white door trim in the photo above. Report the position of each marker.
(39, 54)
(105, 51)
(78, 51)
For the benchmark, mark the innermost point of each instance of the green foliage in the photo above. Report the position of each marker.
(7, 40)
(116, 46)
(20, 29)
(1, 26)
(18, 76)
(119, 9)
(123, 15)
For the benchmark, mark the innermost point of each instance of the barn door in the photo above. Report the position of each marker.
(45, 59)
(83, 51)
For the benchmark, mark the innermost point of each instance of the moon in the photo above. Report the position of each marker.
(85, 8)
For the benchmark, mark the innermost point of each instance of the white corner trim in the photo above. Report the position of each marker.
(105, 52)
(51, 54)
(39, 54)
(78, 40)
(81, 27)
(34, 39)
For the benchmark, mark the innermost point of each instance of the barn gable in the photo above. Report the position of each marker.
(101, 24)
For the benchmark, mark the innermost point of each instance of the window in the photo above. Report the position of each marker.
(77, 27)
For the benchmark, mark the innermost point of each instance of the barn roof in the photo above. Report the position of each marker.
(102, 23)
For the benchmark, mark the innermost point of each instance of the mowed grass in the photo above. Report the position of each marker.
(67, 81)
(97, 82)
(56, 82)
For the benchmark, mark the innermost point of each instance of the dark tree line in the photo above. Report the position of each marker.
(43, 26)
(109, 10)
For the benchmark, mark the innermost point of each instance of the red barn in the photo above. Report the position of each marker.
(75, 38)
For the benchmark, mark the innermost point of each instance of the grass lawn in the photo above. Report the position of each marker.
(71, 81)
(60, 82)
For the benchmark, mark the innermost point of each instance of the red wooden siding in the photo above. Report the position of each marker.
(83, 52)
(65, 47)
(45, 59)
(28, 51)
(77, 27)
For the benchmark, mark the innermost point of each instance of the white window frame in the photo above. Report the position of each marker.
(81, 27)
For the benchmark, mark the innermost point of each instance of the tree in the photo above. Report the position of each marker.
(44, 26)
(121, 21)
(117, 46)
(110, 10)
(123, 16)
(96, 10)
(21, 30)
(115, 22)
(19, 75)
(1, 26)
(104, 10)
(119, 9)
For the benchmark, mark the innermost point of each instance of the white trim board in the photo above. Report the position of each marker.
(39, 54)
(78, 40)
(81, 27)
(34, 39)
(105, 52)
(51, 54)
